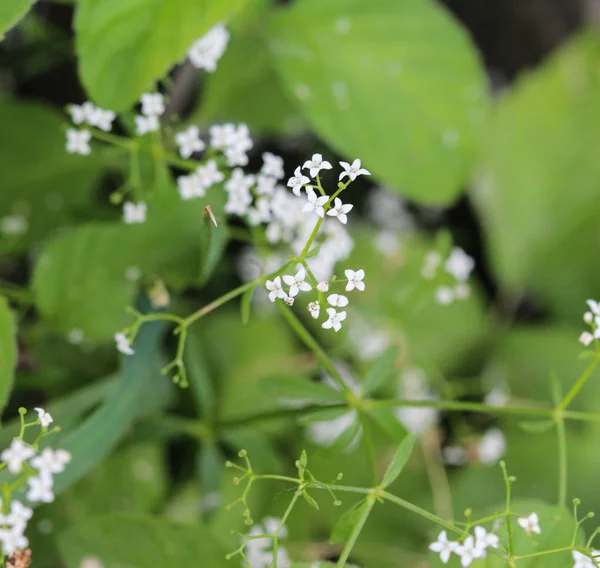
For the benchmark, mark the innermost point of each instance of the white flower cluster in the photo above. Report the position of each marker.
(592, 318)
(259, 551)
(78, 141)
(583, 561)
(153, 106)
(413, 386)
(206, 51)
(488, 450)
(471, 548)
(21, 458)
(459, 265)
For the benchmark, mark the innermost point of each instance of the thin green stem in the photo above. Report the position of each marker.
(579, 384)
(312, 237)
(562, 462)
(113, 139)
(368, 439)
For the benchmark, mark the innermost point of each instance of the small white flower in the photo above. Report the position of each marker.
(265, 185)
(443, 547)
(340, 211)
(145, 124)
(315, 203)
(190, 186)
(80, 113)
(468, 551)
(123, 344)
(19, 514)
(337, 300)
(221, 135)
(530, 524)
(272, 166)
(491, 447)
(459, 264)
(78, 141)
(444, 295)
(209, 174)
(298, 181)
(40, 489)
(315, 309)
(75, 336)
(582, 561)
(588, 317)
(238, 182)
(275, 289)
(45, 418)
(594, 306)
(353, 171)
(335, 320)
(586, 338)
(323, 286)
(355, 280)
(153, 104)
(16, 454)
(189, 141)
(289, 301)
(134, 213)
(236, 157)
(483, 539)
(51, 461)
(100, 118)
(297, 283)
(13, 225)
(12, 540)
(206, 51)
(316, 164)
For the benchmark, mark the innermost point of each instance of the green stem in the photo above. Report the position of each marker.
(368, 438)
(579, 384)
(356, 532)
(562, 462)
(312, 237)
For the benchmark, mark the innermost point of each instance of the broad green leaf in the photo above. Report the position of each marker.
(397, 84)
(539, 181)
(11, 11)
(81, 277)
(399, 460)
(125, 46)
(380, 371)
(348, 521)
(41, 182)
(140, 542)
(8, 351)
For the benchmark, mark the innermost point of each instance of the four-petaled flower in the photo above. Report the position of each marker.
(469, 551)
(189, 141)
(272, 166)
(335, 319)
(40, 489)
(323, 286)
(483, 539)
(134, 213)
(51, 461)
(315, 203)
(337, 300)
(44, 417)
(298, 181)
(314, 308)
(316, 164)
(297, 283)
(16, 454)
(145, 124)
(78, 141)
(443, 547)
(459, 264)
(275, 289)
(340, 210)
(583, 561)
(355, 280)
(586, 338)
(123, 344)
(353, 170)
(152, 104)
(530, 524)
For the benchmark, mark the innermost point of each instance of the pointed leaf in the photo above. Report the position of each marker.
(310, 500)
(348, 521)
(8, 351)
(398, 461)
(380, 370)
(387, 421)
(294, 391)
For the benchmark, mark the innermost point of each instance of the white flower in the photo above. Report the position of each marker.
(98, 117)
(134, 213)
(298, 181)
(335, 320)
(260, 213)
(316, 164)
(454, 455)
(153, 104)
(12, 540)
(443, 546)
(190, 186)
(45, 418)
(145, 124)
(81, 113)
(337, 300)
(238, 182)
(16, 454)
(51, 461)
(40, 489)
(326, 432)
(588, 317)
(297, 283)
(594, 306)
(586, 338)
(123, 344)
(468, 551)
(78, 141)
(209, 174)
(13, 225)
(265, 185)
(323, 286)
(353, 171)
(221, 135)
(444, 295)
(483, 539)
(582, 561)
(275, 289)
(315, 203)
(315, 309)
(206, 51)
(355, 280)
(491, 447)
(459, 264)
(272, 166)
(289, 301)
(18, 516)
(236, 157)
(530, 524)
(340, 211)
(189, 141)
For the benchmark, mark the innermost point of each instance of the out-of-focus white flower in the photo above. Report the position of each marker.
(206, 51)
(134, 212)
(40, 489)
(272, 166)
(326, 432)
(44, 417)
(430, 265)
(145, 124)
(153, 104)
(189, 141)
(459, 264)
(443, 547)
(484, 539)
(491, 446)
(530, 524)
(123, 344)
(444, 295)
(78, 141)
(586, 338)
(51, 461)
(17, 453)
(14, 225)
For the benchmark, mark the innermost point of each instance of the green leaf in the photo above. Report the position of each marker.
(398, 461)
(414, 116)
(52, 193)
(8, 351)
(11, 11)
(310, 500)
(343, 528)
(125, 46)
(295, 391)
(536, 426)
(541, 189)
(387, 421)
(199, 375)
(380, 371)
(246, 304)
(143, 542)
